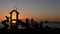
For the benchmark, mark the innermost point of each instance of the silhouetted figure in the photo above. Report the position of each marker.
(27, 23)
(41, 26)
(7, 18)
(46, 21)
(32, 22)
(5, 22)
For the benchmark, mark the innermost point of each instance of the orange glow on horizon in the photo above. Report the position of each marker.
(21, 16)
(35, 18)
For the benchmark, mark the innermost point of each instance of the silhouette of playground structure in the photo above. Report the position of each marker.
(27, 23)
(30, 25)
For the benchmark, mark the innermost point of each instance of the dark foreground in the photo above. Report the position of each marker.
(46, 30)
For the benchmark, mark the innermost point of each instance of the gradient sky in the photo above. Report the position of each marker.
(38, 9)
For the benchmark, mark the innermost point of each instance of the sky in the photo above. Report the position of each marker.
(37, 9)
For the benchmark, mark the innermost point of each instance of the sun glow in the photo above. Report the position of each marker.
(13, 21)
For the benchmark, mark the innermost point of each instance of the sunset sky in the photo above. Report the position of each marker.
(37, 9)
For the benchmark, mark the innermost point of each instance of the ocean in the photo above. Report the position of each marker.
(53, 25)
